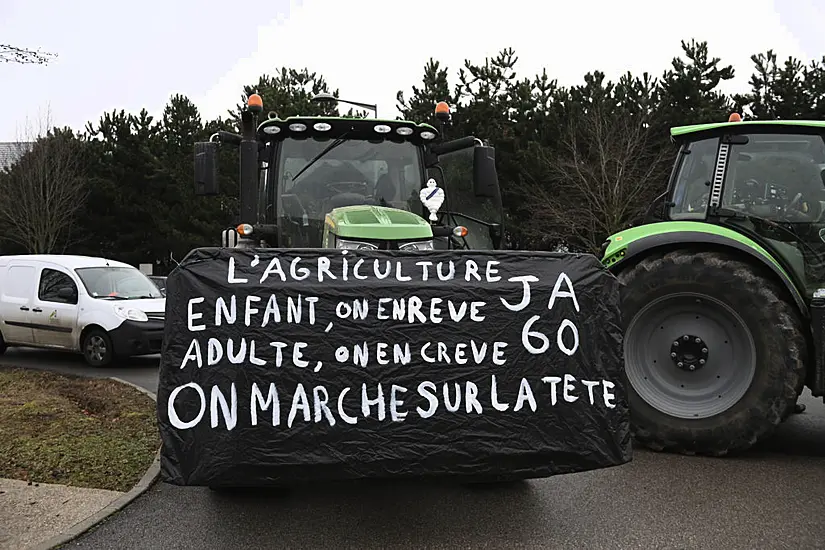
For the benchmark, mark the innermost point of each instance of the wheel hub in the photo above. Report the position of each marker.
(96, 348)
(710, 388)
(689, 353)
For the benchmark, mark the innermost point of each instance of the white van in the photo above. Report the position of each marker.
(98, 307)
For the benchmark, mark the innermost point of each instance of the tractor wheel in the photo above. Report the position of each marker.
(714, 355)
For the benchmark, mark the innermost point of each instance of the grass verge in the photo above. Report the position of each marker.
(76, 431)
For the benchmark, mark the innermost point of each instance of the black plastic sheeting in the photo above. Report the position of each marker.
(368, 364)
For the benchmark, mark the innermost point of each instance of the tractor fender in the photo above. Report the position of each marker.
(624, 248)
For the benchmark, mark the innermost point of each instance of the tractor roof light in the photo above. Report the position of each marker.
(244, 229)
(255, 103)
(735, 117)
(442, 111)
(460, 231)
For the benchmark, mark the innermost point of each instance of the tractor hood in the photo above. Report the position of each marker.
(377, 223)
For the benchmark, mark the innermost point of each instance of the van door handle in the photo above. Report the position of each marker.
(24, 308)
(37, 310)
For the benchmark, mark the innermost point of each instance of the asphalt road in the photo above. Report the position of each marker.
(773, 497)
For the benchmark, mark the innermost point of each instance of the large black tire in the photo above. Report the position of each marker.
(227, 490)
(743, 339)
(3, 346)
(97, 348)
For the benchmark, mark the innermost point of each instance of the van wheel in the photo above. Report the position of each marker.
(3, 346)
(97, 348)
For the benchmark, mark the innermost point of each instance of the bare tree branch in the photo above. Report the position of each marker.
(44, 190)
(13, 54)
(600, 178)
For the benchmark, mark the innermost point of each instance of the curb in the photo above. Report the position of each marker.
(84, 525)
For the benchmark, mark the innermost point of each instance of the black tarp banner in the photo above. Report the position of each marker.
(296, 365)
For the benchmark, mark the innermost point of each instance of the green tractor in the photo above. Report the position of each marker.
(724, 292)
(356, 183)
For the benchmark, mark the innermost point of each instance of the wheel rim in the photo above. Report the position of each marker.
(96, 349)
(714, 362)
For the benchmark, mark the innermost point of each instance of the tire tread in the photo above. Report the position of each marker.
(787, 322)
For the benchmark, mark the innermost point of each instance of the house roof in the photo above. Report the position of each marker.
(10, 151)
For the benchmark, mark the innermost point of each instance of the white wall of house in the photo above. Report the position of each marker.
(10, 151)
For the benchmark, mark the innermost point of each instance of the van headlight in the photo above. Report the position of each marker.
(131, 314)
(419, 245)
(354, 245)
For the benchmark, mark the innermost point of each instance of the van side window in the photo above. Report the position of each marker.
(51, 284)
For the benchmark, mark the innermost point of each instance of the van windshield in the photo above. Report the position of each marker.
(117, 283)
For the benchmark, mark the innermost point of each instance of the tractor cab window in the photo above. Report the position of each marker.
(780, 178)
(691, 187)
(462, 206)
(352, 173)
(777, 176)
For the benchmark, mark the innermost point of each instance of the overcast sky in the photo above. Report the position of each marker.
(130, 55)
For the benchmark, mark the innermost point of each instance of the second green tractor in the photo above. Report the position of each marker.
(724, 293)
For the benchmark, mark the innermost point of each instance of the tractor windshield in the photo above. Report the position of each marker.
(353, 172)
(779, 177)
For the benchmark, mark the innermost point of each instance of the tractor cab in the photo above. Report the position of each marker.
(340, 182)
(765, 179)
(366, 183)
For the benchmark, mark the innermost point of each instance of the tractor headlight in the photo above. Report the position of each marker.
(419, 245)
(354, 245)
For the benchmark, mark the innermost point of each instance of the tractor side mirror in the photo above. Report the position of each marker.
(206, 168)
(485, 176)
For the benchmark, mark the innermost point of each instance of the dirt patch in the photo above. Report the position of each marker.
(70, 430)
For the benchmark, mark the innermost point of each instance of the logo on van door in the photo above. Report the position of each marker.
(53, 315)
